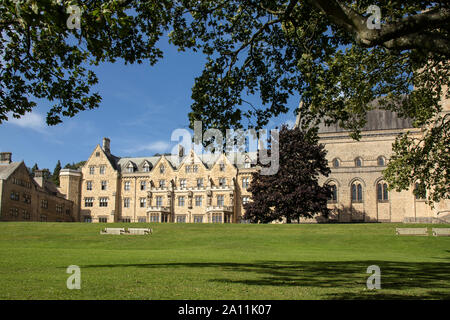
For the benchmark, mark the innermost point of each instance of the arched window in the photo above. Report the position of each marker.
(382, 191)
(381, 161)
(336, 162)
(333, 196)
(357, 192)
(358, 162)
(418, 187)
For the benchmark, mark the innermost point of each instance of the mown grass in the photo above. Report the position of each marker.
(205, 261)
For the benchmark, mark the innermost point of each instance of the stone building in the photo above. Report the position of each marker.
(183, 188)
(359, 191)
(24, 198)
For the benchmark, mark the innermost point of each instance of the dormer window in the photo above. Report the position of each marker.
(247, 165)
(130, 167)
(146, 167)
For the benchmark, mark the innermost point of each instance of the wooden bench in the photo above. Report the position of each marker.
(441, 232)
(140, 231)
(112, 231)
(412, 231)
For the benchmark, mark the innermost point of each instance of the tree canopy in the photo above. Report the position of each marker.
(332, 53)
(293, 192)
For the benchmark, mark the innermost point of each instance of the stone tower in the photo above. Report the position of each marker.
(70, 186)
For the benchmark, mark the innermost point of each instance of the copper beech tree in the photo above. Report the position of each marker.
(294, 191)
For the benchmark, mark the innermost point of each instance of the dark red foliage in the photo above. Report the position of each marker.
(294, 190)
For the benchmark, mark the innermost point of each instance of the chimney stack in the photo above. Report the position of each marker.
(180, 151)
(106, 145)
(5, 157)
(40, 176)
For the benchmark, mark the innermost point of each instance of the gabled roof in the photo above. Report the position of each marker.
(7, 169)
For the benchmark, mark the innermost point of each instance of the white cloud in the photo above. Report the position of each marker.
(157, 146)
(31, 120)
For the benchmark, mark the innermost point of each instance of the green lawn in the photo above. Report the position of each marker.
(205, 261)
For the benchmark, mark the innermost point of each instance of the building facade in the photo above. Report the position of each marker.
(360, 192)
(183, 188)
(24, 198)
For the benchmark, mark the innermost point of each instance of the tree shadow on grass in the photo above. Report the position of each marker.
(348, 277)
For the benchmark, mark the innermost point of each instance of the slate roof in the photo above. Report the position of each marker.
(377, 119)
(7, 169)
(207, 160)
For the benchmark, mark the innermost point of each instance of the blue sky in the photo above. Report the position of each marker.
(141, 107)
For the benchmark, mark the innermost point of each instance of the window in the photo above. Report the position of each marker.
(247, 164)
(154, 217)
(126, 186)
(220, 200)
(43, 218)
(143, 202)
(103, 202)
(382, 192)
(15, 196)
(198, 219)
(381, 161)
(245, 183)
(182, 183)
(44, 204)
(216, 218)
(143, 185)
(68, 212)
(91, 170)
(25, 215)
(187, 169)
(420, 188)
(146, 167)
(89, 185)
(102, 169)
(222, 182)
(200, 183)
(59, 209)
(14, 212)
(142, 219)
(102, 220)
(126, 220)
(333, 196)
(357, 192)
(198, 201)
(104, 185)
(245, 200)
(181, 219)
(164, 217)
(130, 168)
(336, 163)
(27, 198)
(222, 167)
(88, 202)
(126, 202)
(159, 201)
(87, 219)
(162, 169)
(162, 183)
(358, 162)
(195, 168)
(97, 154)
(181, 201)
